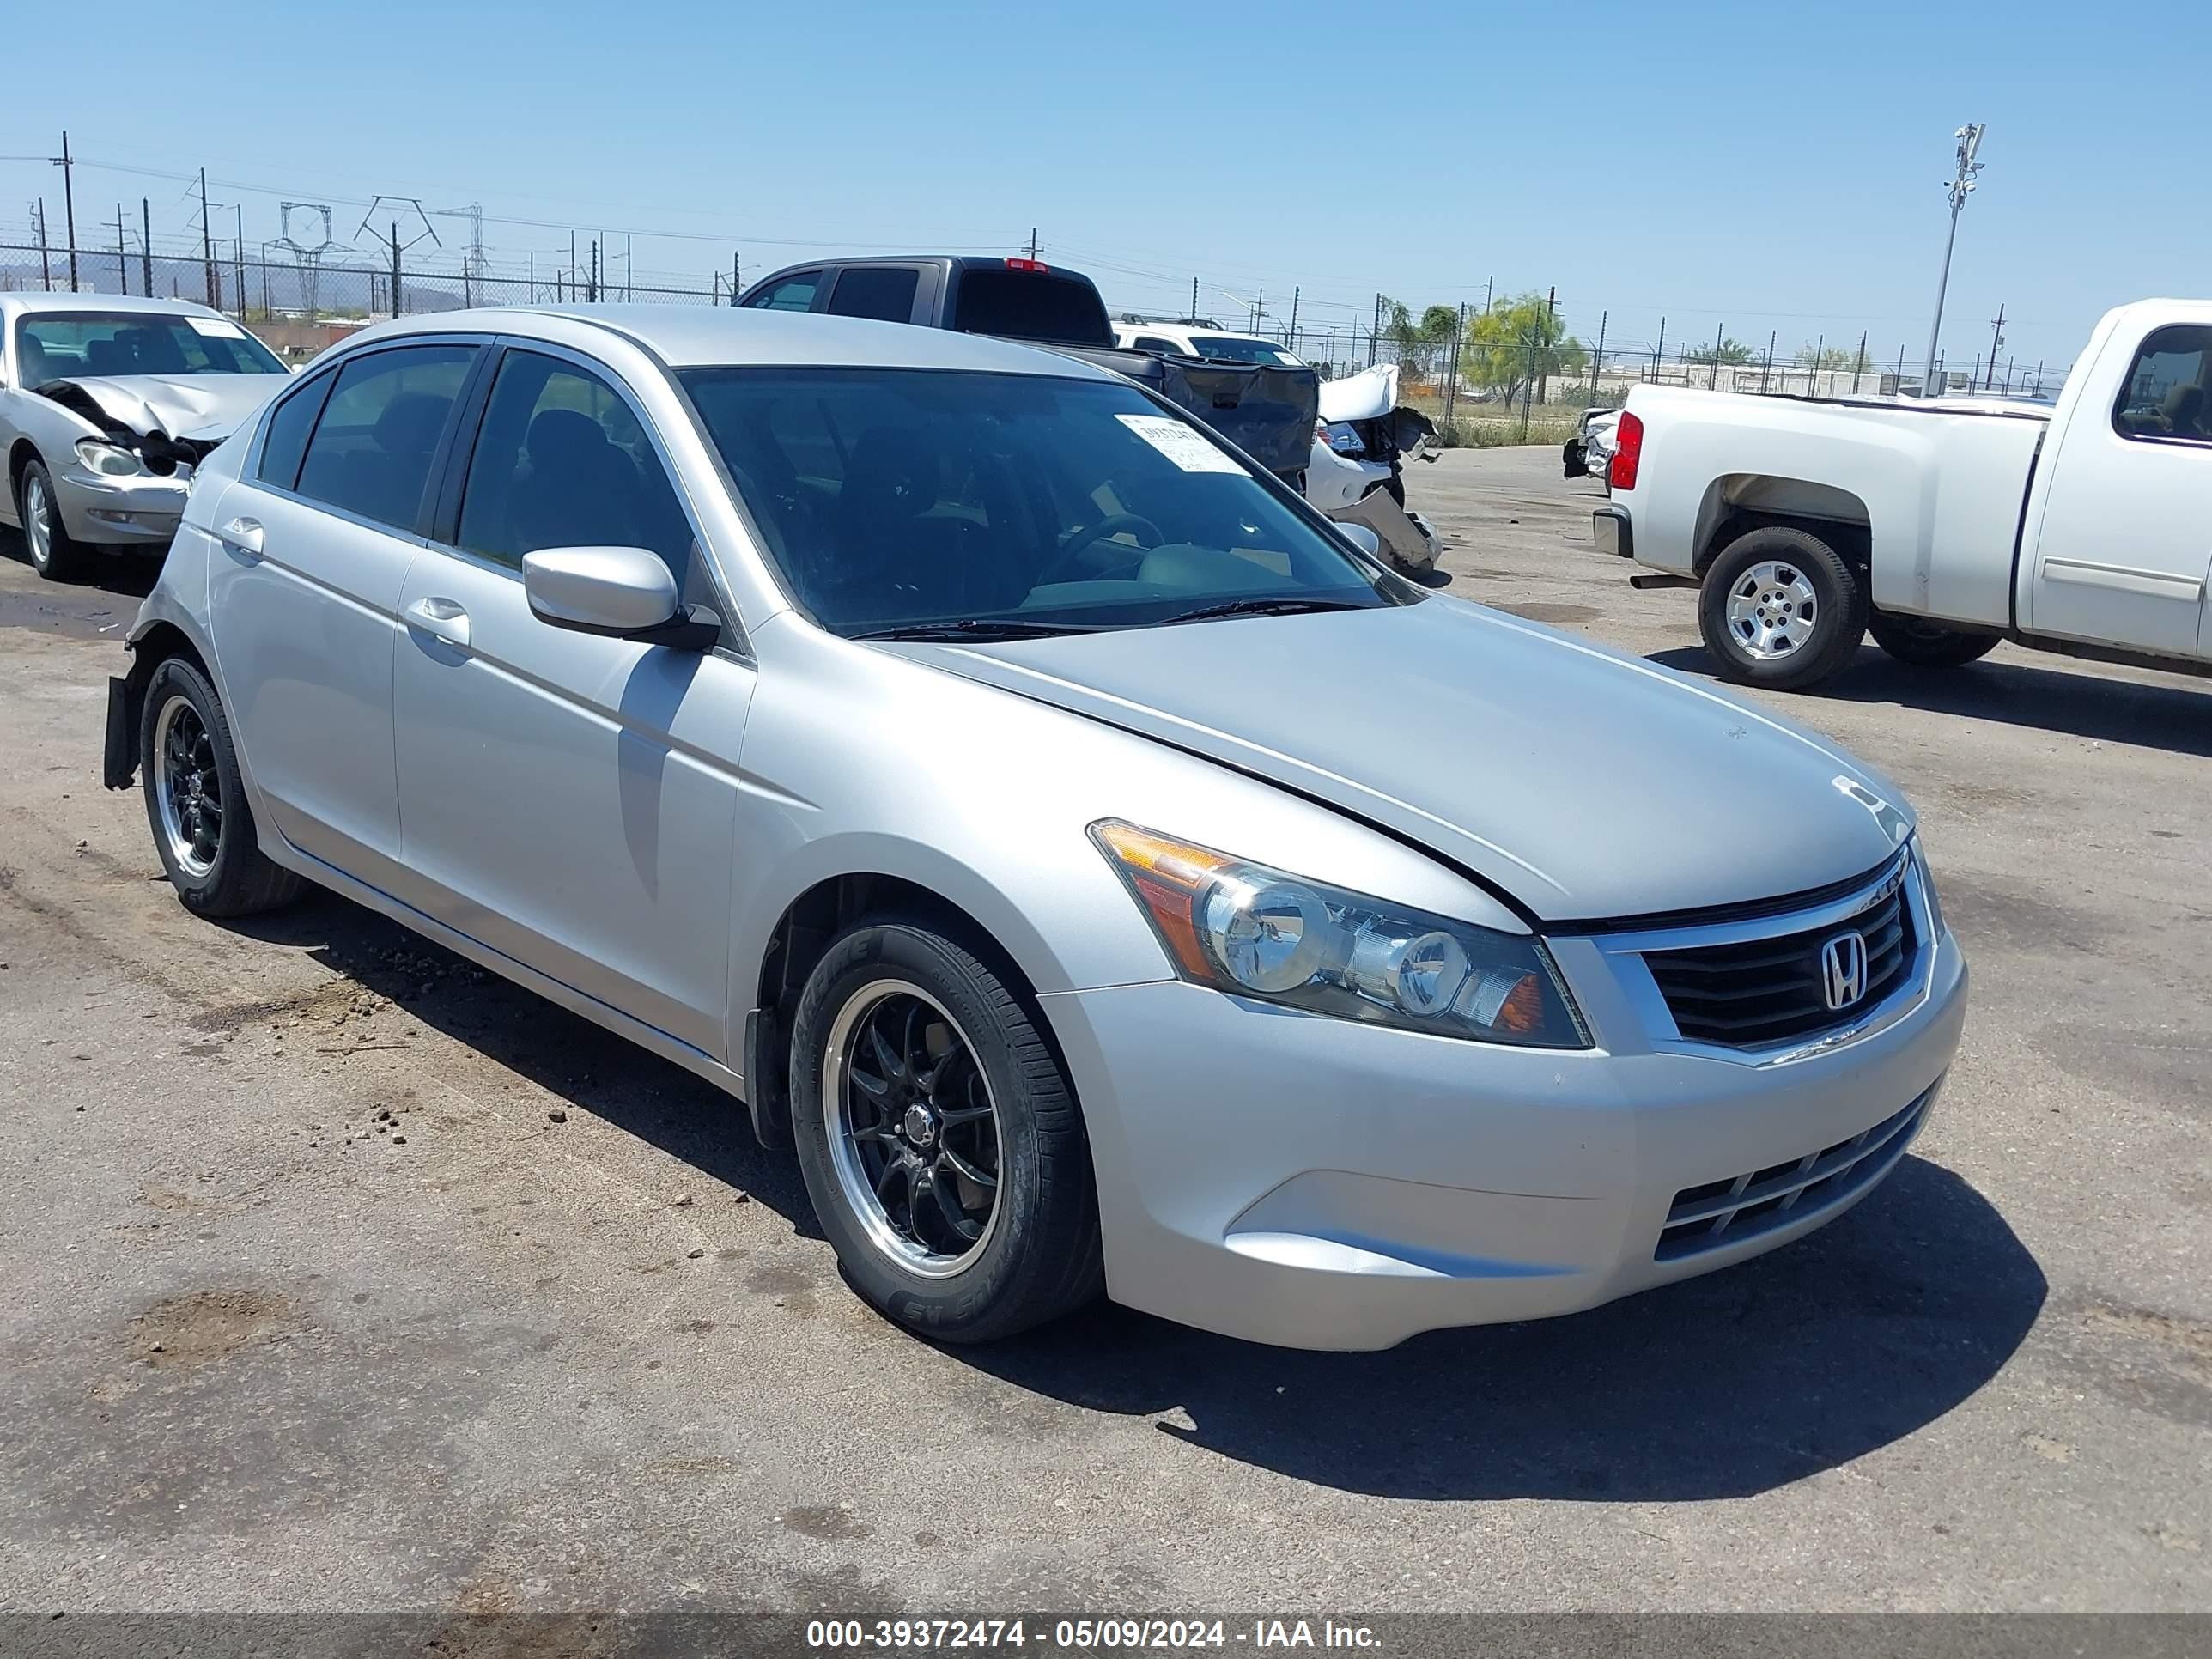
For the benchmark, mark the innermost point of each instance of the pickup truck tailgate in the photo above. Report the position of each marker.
(1265, 410)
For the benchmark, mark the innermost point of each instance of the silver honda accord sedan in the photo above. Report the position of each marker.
(1106, 875)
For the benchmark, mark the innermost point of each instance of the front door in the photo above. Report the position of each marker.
(570, 799)
(2124, 548)
(315, 540)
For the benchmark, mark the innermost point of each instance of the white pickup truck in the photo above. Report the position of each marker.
(1943, 526)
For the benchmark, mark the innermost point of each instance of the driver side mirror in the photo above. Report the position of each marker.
(617, 592)
(1360, 536)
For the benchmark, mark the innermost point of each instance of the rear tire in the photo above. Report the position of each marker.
(1929, 645)
(54, 553)
(900, 1035)
(196, 802)
(1780, 608)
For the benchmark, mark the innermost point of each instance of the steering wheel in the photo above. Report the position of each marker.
(1066, 567)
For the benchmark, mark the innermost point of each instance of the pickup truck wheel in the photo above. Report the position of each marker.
(195, 802)
(938, 1139)
(1929, 645)
(1780, 608)
(55, 554)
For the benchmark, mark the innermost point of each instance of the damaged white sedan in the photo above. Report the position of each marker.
(107, 402)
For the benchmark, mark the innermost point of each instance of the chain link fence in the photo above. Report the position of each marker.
(298, 306)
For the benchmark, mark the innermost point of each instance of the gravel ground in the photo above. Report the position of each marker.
(335, 1275)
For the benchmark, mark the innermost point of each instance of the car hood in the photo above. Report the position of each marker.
(1586, 784)
(202, 408)
(1360, 396)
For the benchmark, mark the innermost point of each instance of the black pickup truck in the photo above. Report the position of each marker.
(1268, 411)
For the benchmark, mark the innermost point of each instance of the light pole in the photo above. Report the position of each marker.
(1961, 187)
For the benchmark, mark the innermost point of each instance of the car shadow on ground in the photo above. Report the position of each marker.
(562, 1053)
(2175, 717)
(129, 576)
(1718, 1387)
(1721, 1386)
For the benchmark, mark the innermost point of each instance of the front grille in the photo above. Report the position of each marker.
(1719, 1213)
(1767, 990)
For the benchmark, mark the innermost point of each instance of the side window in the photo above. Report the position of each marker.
(372, 450)
(794, 293)
(561, 461)
(1153, 342)
(884, 292)
(289, 423)
(2164, 395)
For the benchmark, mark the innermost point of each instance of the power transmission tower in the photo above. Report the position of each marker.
(1961, 187)
(392, 245)
(472, 257)
(309, 256)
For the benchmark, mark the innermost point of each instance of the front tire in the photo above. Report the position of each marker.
(1780, 608)
(55, 554)
(938, 1139)
(196, 802)
(1929, 645)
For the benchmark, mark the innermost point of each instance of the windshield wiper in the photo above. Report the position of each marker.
(1275, 607)
(974, 628)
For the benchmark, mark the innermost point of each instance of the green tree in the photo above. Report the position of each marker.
(1823, 358)
(1730, 350)
(1519, 338)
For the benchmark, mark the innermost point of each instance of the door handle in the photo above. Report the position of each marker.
(242, 536)
(442, 619)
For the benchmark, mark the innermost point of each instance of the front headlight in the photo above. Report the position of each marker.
(1344, 438)
(109, 461)
(1254, 931)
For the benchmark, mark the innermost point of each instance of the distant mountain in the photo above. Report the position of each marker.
(281, 288)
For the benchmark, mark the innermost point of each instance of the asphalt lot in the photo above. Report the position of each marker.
(558, 1335)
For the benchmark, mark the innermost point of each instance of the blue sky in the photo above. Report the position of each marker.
(1753, 166)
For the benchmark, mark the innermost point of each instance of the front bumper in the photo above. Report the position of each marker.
(1321, 1183)
(134, 512)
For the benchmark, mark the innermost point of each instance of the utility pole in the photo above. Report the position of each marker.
(1713, 380)
(733, 280)
(1488, 282)
(207, 247)
(122, 254)
(1258, 304)
(1961, 187)
(238, 222)
(1193, 300)
(397, 306)
(1997, 339)
(1859, 367)
(630, 268)
(1293, 342)
(1597, 361)
(1659, 351)
(46, 269)
(69, 204)
(145, 245)
(1032, 244)
(1375, 331)
(1766, 373)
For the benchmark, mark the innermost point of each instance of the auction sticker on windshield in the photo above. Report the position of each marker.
(221, 327)
(1187, 449)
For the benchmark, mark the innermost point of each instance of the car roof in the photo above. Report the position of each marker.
(690, 336)
(26, 304)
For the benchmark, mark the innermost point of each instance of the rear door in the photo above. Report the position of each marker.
(564, 796)
(316, 536)
(2123, 550)
(890, 294)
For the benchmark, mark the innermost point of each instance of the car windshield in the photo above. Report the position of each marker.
(922, 501)
(63, 345)
(1230, 349)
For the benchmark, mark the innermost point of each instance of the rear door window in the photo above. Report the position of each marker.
(372, 449)
(794, 293)
(289, 423)
(884, 292)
